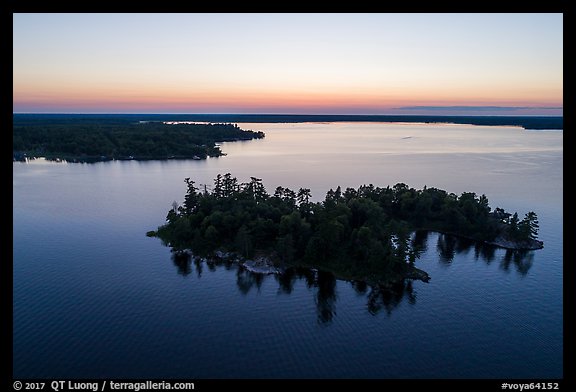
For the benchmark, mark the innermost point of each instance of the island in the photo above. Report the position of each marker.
(358, 234)
(85, 139)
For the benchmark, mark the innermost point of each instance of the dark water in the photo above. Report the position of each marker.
(94, 297)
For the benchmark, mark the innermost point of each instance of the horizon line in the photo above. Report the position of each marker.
(300, 114)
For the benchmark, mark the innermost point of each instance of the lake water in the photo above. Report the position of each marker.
(95, 298)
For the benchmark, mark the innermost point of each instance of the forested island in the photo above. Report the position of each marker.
(358, 234)
(85, 140)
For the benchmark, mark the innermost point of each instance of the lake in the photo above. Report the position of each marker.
(95, 298)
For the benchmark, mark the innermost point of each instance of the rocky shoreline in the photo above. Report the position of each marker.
(516, 245)
(265, 264)
(262, 264)
(259, 265)
(500, 241)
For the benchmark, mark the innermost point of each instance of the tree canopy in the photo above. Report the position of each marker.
(359, 232)
(86, 141)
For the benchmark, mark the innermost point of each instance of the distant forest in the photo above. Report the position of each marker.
(86, 139)
(526, 122)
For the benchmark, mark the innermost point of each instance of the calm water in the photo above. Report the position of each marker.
(94, 297)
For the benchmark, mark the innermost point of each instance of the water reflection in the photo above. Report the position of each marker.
(182, 262)
(325, 298)
(323, 285)
(485, 252)
(448, 246)
(379, 299)
(521, 259)
(389, 298)
(419, 242)
(245, 280)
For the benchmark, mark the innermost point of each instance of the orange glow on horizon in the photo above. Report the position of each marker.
(281, 101)
(348, 63)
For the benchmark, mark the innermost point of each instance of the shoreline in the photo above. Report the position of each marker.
(543, 122)
(499, 241)
(95, 159)
(263, 264)
(511, 245)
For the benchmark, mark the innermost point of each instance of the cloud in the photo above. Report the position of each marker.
(480, 108)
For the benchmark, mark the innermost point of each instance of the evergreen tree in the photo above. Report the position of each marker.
(513, 229)
(362, 232)
(528, 227)
(191, 198)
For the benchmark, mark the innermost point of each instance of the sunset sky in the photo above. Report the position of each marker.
(509, 64)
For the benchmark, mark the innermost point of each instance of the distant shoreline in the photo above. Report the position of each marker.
(85, 140)
(526, 122)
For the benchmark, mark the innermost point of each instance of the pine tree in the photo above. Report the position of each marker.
(529, 226)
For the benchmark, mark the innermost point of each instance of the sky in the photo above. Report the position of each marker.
(503, 64)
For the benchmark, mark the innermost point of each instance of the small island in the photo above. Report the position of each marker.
(358, 234)
(92, 140)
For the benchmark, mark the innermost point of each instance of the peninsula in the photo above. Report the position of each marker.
(85, 139)
(358, 234)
